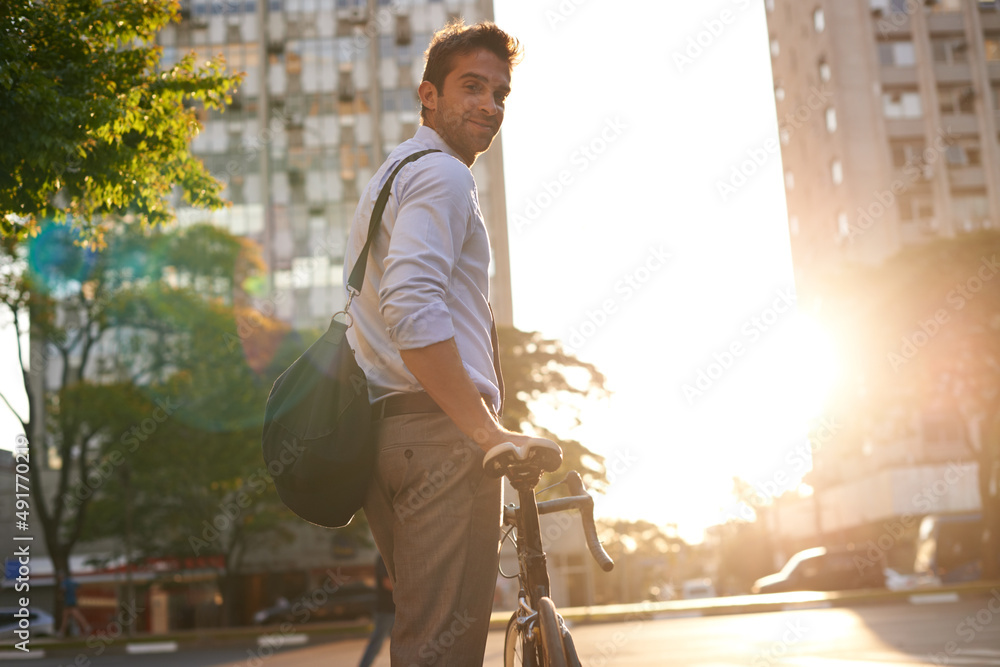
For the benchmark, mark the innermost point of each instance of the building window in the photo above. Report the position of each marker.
(785, 135)
(901, 104)
(837, 172)
(950, 50)
(793, 225)
(789, 180)
(824, 71)
(945, 5)
(769, 5)
(957, 100)
(831, 119)
(991, 46)
(897, 54)
(779, 93)
(843, 225)
(904, 153)
(819, 21)
(775, 47)
(971, 211)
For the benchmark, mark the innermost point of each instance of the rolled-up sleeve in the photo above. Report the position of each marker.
(436, 206)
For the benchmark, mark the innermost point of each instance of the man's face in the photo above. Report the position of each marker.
(468, 110)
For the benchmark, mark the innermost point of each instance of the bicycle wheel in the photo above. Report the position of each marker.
(518, 649)
(553, 652)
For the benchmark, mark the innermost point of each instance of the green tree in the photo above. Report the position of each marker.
(920, 335)
(537, 369)
(132, 342)
(93, 131)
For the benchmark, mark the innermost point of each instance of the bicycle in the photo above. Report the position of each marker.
(537, 635)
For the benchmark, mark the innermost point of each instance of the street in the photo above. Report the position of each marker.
(890, 635)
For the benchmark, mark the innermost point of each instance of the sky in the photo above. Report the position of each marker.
(648, 231)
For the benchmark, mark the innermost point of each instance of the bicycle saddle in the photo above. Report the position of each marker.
(539, 452)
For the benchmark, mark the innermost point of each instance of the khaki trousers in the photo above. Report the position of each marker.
(436, 521)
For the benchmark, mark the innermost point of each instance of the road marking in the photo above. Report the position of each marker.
(277, 641)
(151, 647)
(22, 655)
(933, 598)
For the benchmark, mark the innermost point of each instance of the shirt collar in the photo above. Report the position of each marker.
(430, 138)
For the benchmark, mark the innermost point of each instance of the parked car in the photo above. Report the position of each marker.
(349, 601)
(822, 569)
(949, 547)
(40, 623)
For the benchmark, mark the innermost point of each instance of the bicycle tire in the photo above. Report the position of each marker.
(553, 651)
(518, 649)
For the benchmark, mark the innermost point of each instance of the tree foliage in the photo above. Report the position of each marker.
(536, 369)
(920, 335)
(93, 131)
(145, 392)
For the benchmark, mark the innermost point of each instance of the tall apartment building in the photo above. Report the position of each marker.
(329, 91)
(889, 112)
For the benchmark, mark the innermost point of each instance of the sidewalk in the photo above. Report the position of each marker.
(275, 637)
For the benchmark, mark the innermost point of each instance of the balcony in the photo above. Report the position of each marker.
(892, 24)
(899, 76)
(967, 177)
(905, 127)
(958, 73)
(943, 22)
(960, 123)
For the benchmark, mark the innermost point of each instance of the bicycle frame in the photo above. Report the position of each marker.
(533, 575)
(530, 553)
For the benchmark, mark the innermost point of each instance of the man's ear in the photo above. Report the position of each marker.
(428, 94)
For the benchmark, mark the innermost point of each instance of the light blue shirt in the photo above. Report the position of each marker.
(428, 270)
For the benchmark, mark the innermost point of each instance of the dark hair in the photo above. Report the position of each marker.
(456, 39)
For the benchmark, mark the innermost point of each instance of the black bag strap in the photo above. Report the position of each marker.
(357, 277)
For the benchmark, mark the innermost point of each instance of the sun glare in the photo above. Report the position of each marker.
(805, 366)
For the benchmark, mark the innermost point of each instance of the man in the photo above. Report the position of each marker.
(383, 616)
(422, 335)
(71, 610)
